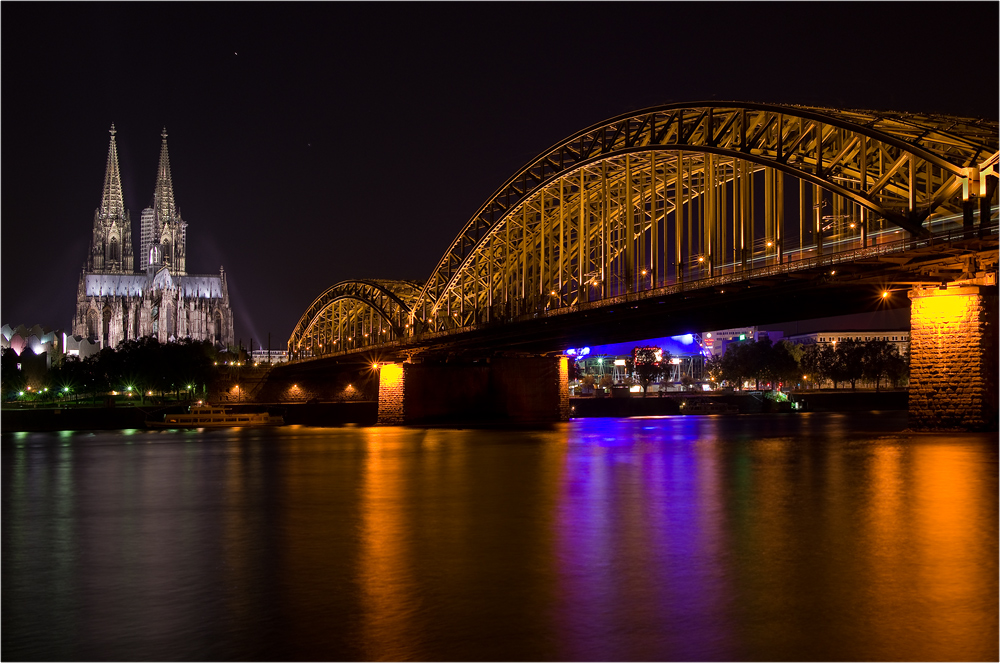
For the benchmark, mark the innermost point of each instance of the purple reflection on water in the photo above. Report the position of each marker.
(637, 524)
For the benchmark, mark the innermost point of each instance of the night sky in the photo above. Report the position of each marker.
(320, 142)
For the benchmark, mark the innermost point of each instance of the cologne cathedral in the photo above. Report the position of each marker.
(117, 303)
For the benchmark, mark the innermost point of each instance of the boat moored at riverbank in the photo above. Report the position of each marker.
(209, 416)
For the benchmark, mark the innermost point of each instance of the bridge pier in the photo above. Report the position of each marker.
(519, 390)
(953, 356)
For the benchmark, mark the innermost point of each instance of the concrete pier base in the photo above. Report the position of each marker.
(516, 390)
(953, 358)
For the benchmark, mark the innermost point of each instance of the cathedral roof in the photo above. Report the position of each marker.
(133, 285)
(112, 204)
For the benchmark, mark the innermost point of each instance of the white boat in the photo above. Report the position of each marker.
(209, 416)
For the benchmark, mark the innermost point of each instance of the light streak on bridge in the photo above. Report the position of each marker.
(674, 198)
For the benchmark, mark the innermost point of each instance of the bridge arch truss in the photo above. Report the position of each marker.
(685, 192)
(353, 314)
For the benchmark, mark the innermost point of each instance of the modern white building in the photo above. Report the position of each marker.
(716, 341)
(900, 337)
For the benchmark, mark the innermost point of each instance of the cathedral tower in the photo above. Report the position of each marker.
(111, 244)
(162, 301)
(163, 232)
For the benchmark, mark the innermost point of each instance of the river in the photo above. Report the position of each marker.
(755, 537)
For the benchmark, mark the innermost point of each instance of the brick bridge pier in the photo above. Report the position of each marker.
(953, 356)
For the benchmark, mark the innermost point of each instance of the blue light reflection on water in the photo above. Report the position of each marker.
(678, 538)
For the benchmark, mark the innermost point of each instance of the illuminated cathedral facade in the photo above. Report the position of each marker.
(116, 302)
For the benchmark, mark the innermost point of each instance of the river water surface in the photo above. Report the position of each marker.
(785, 537)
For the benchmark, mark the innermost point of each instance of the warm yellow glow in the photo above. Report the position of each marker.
(770, 244)
(885, 293)
(390, 590)
(701, 258)
(944, 306)
(374, 365)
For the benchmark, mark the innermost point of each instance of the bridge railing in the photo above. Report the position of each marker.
(943, 237)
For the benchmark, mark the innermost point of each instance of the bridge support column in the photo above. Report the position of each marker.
(391, 394)
(953, 357)
(521, 390)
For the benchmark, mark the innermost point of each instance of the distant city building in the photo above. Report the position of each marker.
(162, 300)
(900, 338)
(146, 234)
(39, 340)
(715, 342)
(273, 356)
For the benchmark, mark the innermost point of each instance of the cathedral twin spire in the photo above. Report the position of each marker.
(163, 233)
(112, 205)
(163, 195)
(111, 245)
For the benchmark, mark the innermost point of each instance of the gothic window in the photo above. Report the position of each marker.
(169, 319)
(115, 253)
(166, 252)
(92, 325)
(107, 326)
(218, 327)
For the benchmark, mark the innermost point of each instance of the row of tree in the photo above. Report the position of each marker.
(763, 363)
(141, 366)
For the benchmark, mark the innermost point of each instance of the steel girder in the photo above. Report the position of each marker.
(353, 314)
(674, 192)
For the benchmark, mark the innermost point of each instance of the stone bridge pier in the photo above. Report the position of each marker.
(514, 390)
(953, 356)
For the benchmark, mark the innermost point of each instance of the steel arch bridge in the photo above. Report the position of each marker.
(681, 193)
(354, 314)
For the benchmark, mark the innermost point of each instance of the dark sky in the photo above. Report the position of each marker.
(312, 143)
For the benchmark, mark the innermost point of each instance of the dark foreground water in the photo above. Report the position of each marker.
(820, 536)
